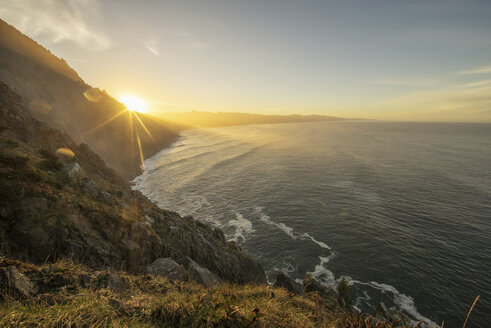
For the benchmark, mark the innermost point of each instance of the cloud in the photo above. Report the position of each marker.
(479, 70)
(57, 21)
(476, 84)
(152, 46)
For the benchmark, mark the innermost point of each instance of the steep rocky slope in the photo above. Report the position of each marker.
(58, 199)
(54, 93)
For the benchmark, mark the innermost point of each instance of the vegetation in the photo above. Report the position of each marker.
(50, 161)
(151, 301)
(345, 290)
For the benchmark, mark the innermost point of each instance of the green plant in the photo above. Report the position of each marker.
(345, 290)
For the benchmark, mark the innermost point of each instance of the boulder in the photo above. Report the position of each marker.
(199, 274)
(18, 283)
(167, 267)
(287, 282)
(74, 171)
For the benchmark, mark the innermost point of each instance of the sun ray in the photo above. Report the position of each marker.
(80, 138)
(143, 125)
(142, 161)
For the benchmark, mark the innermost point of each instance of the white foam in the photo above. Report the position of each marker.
(242, 227)
(283, 227)
(321, 273)
(288, 230)
(320, 243)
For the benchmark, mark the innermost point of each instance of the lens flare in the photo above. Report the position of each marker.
(65, 152)
(40, 106)
(134, 104)
(93, 94)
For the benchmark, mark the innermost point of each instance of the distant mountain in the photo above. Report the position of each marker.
(55, 93)
(207, 119)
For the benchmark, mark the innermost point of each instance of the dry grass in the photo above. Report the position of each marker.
(150, 301)
(156, 302)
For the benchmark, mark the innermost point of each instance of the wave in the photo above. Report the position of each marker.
(322, 274)
(404, 302)
(288, 230)
(320, 243)
(242, 226)
(283, 227)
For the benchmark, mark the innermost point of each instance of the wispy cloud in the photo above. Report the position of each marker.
(476, 84)
(479, 70)
(56, 21)
(152, 46)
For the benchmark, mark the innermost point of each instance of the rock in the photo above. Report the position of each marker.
(18, 283)
(167, 267)
(199, 274)
(287, 282)
(74, 171)
(381, 311)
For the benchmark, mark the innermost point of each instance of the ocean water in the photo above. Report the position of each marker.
(401, 209)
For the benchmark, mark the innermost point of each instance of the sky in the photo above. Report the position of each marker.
(395, 60)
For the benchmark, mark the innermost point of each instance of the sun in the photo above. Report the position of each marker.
(134, 103)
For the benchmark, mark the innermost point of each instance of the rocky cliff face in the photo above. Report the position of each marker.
(59, 199)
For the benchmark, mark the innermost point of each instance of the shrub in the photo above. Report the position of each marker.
(345, 290)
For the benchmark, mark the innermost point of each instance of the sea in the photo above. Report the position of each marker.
(402, 210)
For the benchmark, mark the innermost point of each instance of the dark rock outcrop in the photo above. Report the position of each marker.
(199, 274)
(16, 283)
(167, 267)
(287, 282)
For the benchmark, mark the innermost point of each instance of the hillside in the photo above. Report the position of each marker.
(55, 94)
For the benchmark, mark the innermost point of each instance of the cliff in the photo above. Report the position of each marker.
(55, 94)
(58, 199)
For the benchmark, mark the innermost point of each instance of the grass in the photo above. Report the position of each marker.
(151, 301)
